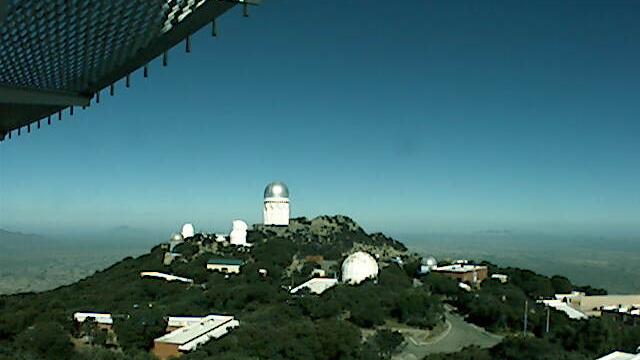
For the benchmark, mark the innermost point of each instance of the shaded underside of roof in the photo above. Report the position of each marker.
(57, 54)
(235, 262)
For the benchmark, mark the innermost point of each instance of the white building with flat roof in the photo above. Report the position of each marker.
(176, 322)
(560, 305)
(618, 355)
(195, 332)
(467, 273)
(163, 276)
(101, 319)
(500, 277)
(316, 285)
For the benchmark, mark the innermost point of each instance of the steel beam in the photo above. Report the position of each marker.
(3, 10)
(29, 96)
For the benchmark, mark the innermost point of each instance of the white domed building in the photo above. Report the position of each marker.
(276, 204)
(188, 231)
(177, 237)
(239, 233)
(427, 264)
(359, 267)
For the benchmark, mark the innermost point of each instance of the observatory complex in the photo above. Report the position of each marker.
(276, 204)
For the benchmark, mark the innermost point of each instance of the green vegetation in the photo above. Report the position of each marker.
(326, 327)
(500, 308)
(277, 325)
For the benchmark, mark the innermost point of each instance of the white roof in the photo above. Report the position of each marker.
(564, 307)
(188, 337)
(622, 309)
(99, 317)
(499, 276)
(216, 333)
(464, 286)
(461, 268)
(316, 285)
(159, 275)
(574, 294)
(620, 356)
(180, 321)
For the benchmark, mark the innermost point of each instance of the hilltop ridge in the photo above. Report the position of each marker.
(372, 320)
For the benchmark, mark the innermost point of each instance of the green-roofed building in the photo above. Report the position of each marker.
(227, 266)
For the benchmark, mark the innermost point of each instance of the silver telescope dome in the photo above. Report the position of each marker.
(276, 189)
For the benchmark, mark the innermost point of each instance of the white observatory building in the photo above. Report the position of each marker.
(239, 233)
(187, 231)
(359, 267)
(276, 204)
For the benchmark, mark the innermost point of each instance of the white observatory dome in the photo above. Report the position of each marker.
(188, 231)
(430, 262)
(239, 233)
(427, 264)
(276, 189)
(358, 267)
(177, 237)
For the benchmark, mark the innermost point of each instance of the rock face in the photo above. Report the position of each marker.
(332, 236)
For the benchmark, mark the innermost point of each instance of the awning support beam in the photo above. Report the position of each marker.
(3, 10)
(30, 96)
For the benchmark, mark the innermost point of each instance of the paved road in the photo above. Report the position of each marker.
(459, 335)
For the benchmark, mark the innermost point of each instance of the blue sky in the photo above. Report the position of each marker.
(409, 116)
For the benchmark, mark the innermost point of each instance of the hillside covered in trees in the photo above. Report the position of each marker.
(345, 322)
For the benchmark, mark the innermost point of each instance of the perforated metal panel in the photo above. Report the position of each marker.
(59, 53)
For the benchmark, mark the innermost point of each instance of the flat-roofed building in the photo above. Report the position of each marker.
(625, 314)
(177, 322)
(103, 320)
(318, 273)
(192, 335)
(470, 274)
(617, 355)
(163, 276)
(561, 305)
(500, 277)
(227, 266)
(592, 304)
(316, 285)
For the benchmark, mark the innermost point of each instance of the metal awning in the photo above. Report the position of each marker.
(59, 54)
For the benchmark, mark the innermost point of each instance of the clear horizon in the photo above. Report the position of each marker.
(441, 118)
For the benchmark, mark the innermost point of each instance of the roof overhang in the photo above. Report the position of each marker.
(66, 59)
(3, 10)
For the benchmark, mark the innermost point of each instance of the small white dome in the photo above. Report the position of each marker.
(430, 262)
(177, 238)
(358, 267)
(188, 231)
(240, 225)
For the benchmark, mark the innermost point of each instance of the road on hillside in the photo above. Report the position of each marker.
(458, 335)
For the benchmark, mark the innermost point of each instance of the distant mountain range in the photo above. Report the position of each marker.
(15, 240)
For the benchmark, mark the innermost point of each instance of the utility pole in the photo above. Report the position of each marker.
(548, 315)
(526, 310)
